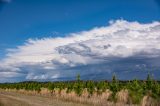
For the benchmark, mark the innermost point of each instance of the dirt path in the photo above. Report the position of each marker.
(16, 99)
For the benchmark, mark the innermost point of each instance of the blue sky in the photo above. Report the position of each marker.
(21, 20)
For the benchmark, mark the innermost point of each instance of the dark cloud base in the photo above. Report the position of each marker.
(125, 69)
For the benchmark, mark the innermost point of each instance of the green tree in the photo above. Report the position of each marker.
(114, 87)
(78, 86)
(136, 91)
(51, 88)
(101, 87)
(90, 87)
(149, 82)
(38, 88)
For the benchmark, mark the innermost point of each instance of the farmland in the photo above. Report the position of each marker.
(79, 92)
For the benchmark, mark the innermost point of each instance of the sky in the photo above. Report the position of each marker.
(57, 39)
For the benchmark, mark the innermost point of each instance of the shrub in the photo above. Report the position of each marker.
(136, 92)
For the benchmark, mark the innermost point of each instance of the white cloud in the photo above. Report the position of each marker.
(8, 74)
(121, 39)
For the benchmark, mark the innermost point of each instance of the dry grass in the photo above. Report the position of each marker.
(149, 101)
(94, 100)
(123, 96)
(4, 101)
(18, 99)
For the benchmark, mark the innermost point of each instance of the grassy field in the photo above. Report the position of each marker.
(94, 93)
(19, 99)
